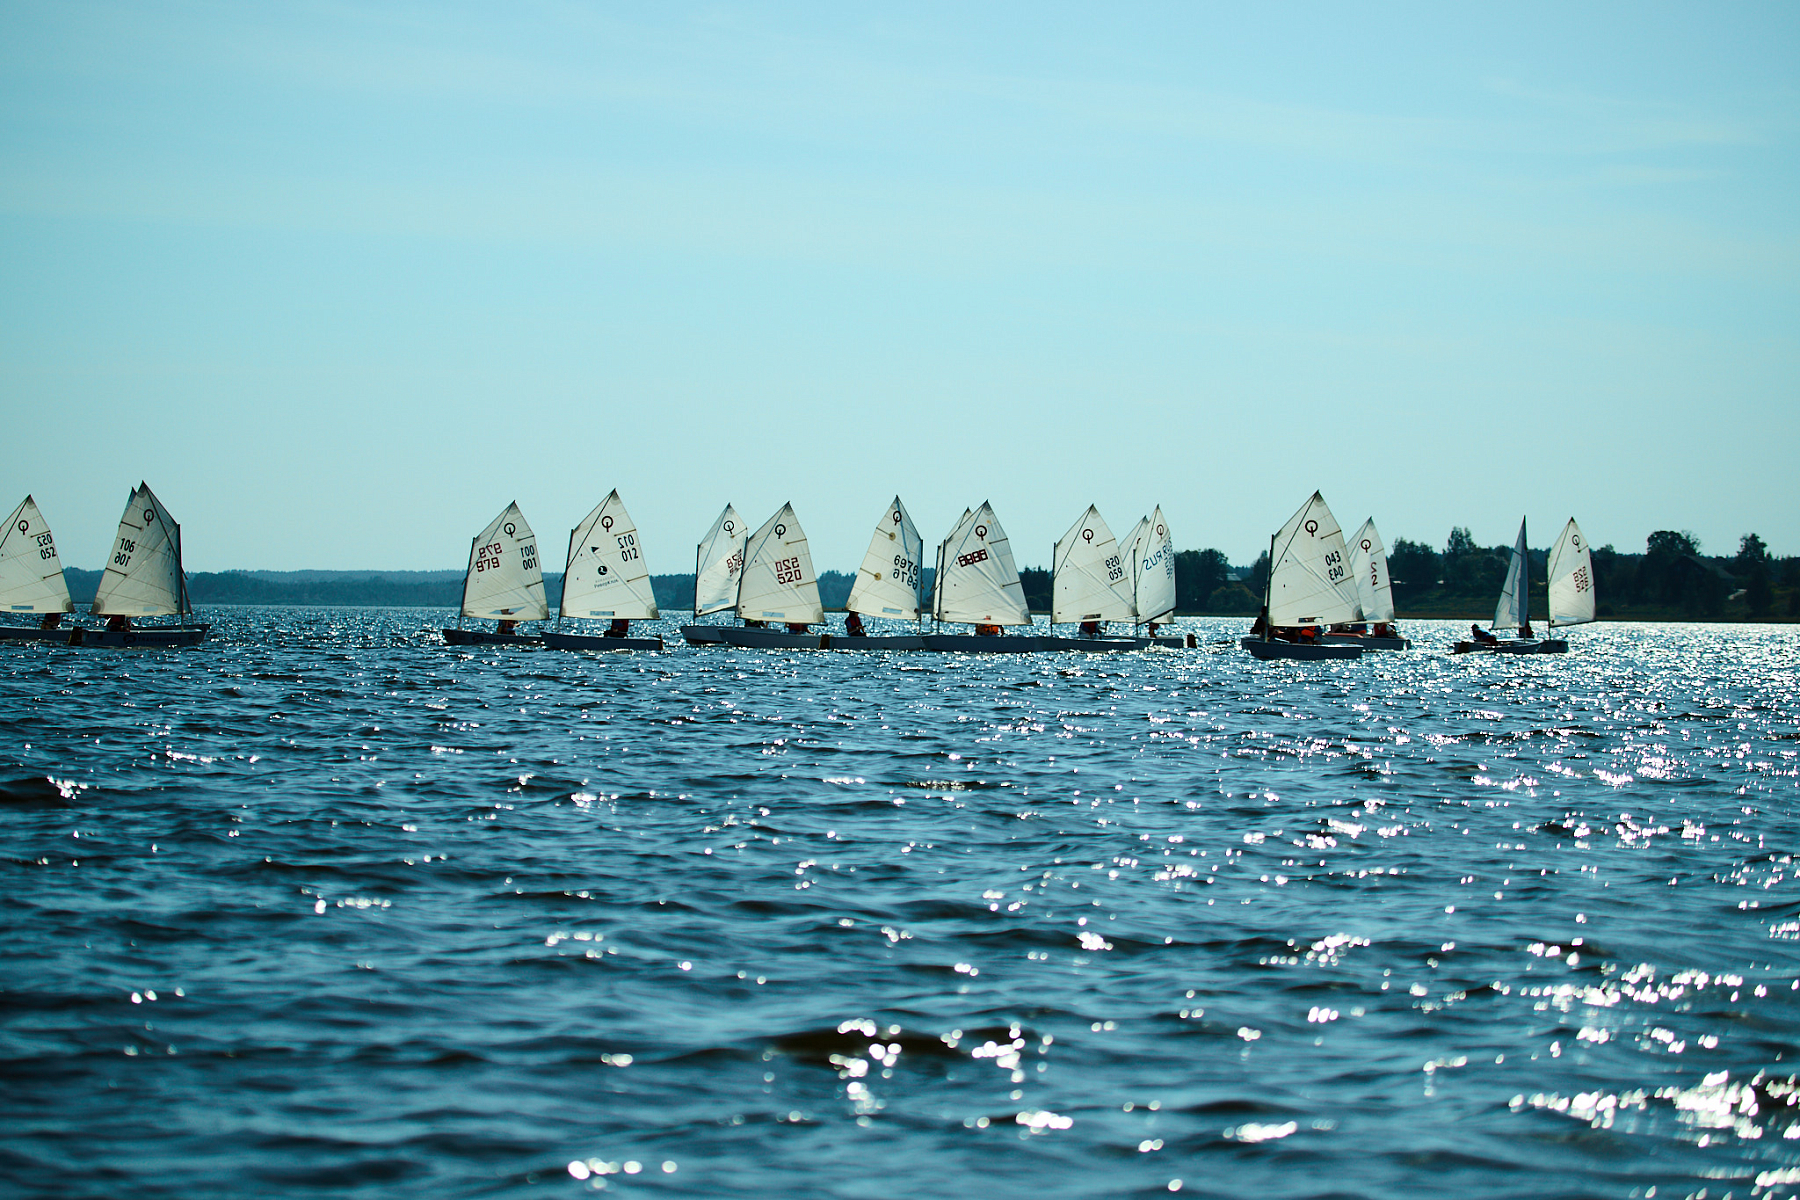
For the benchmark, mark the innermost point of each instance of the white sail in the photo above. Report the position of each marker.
(1091, 581)
(1369, 564)
(143, 576)
(718, 563)
(887, 583)
(778, 582)
(1309, 571)
(1511, 612)
(1151, 552)
(1571, 579)
(606, 575)
(504, 581)
(976, 580)
(31, 574)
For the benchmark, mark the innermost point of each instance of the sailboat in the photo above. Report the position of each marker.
(143, 577)
(1309, 587)
(718, 564)
(978, 584)
(1151, 552)
(1571, 579)
(777, 584)
(504, 583)
(1374, 593)
(1090, 584)
(606, 578)
(31, 578)
(887, 583)
(1571, 595)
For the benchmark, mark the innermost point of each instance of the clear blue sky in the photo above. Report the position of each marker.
(342, 280)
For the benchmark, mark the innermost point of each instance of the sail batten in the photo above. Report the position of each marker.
(778, 582)
(719, 563)
(887, 583)
(1512, 612)
(1309, 571)
(1571, 578)
(606, 574)
(143, 576)
(504, 581)
(31, 574)
(1369, 565)
(977, 582)
(1090, 581)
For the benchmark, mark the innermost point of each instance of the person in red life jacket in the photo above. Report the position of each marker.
(987, 631)
(1154, 626)
(1090, 629)
(853, 625)
(1308, 633)
(619, 627)
(796, 626)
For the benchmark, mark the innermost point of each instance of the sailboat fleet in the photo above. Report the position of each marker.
(1325, 597)
(143, 578)
(1570, 596)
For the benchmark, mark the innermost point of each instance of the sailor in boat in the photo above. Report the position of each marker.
(1482, 636)
(619, 628)
(988, 630)
(796, 626)
(52, 620)
(506, 627)
(1525, 631)
(1090, 629)
(853, 625)
(1154, 626)
(1383, 629)
(1261, 624)
(753, 623)
(118, 624)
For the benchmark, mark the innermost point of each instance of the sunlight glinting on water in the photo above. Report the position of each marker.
(1087, 922)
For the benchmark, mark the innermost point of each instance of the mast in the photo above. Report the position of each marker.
(1268, 591)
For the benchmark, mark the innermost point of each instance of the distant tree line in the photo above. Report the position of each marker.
(1670, 579)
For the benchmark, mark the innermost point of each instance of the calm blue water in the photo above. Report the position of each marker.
(324, 907)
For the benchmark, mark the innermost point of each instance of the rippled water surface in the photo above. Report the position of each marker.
(324, 906)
